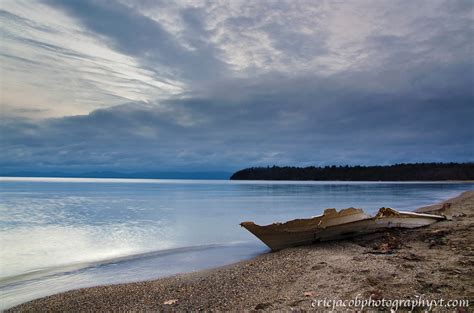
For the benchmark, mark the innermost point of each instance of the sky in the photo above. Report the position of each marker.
(144, 85)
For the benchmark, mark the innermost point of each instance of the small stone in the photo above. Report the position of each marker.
(262, 306)
(309, 294)
(170, 302)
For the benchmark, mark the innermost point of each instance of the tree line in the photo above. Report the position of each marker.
(397, 172)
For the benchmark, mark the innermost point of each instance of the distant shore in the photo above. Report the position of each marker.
(436, 262)
(397, 172)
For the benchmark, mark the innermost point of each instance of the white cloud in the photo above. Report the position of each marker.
(51, 64)
(295, 37)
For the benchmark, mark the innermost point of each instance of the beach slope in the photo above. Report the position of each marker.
(436, 262)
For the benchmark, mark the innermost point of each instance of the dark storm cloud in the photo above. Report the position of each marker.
(139, 36)
(284, 121)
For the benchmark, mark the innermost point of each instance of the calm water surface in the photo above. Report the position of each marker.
(60, 234)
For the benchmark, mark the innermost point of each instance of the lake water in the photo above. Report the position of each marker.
(60, 234)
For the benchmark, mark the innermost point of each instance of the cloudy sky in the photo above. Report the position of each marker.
(132, 85)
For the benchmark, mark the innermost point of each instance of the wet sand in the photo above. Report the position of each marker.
(435, 261)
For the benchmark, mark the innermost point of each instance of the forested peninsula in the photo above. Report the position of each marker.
(396, 172)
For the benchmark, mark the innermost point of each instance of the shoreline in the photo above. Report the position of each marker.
(436, 261)
(154, 180)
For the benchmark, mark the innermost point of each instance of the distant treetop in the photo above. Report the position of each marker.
(397, 172)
